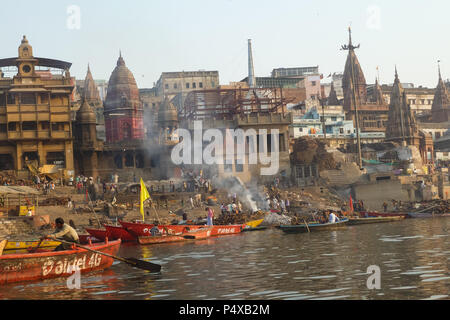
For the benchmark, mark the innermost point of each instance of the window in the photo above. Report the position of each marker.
(194, 85)
(200, 84)
(166, 86)
(313, 83)
(11, 98)
(341, 130)
(12, 126)
(187, 85)
(45, 125)
(239, 167)
(213, 84)
(333, 118)
(175, 86)
(3, 127)
(29, 125)
(437, 135)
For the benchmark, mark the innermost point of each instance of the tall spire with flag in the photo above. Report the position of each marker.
(143, 196)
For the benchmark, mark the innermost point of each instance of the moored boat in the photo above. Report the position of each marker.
(427, 215)
(22, 245)
(119, 232)
(253, 223)
(185, 236)
(142, 229)
(383, 214)
(54, 264)
(97, 233)
(366, 220)
(310, 227)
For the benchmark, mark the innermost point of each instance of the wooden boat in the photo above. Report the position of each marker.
(97, 233)
(383, 214)
(119, 232)
(427, 215)
(185, 236)
(142, 229)
(364, 220)
(310, 227)
(259, 228)
(253, 224)
(23, 245)
(54, 264)
(2, 245)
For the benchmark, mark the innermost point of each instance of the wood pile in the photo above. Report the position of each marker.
(307, 150)
(54, 201)
(225, 219)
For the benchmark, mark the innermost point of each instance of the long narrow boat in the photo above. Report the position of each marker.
(364, 220)
(302, 228)
(142, 229)
(427, 215)
(186, 236)
(383, 214)
(22, 245)
(54, 264)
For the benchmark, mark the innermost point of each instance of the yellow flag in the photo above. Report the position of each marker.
(144, 196)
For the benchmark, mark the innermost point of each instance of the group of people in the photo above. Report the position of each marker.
(276, 203)
(328, 216)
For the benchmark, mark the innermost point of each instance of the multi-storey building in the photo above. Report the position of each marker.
(35, 115)
(176, 85)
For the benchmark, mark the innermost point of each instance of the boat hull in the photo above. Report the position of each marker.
(383, 214)
(427, 215)
(48, 265)
(97, 233)
(312, 227)
(356, 221)
(187, 236)
(143, 230)
(116, 232)
(22, 245)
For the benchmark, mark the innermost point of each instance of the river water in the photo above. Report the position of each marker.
(413, 256)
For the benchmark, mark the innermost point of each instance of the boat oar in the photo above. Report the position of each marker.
(37, 247)
(140, 264)
(307, 227)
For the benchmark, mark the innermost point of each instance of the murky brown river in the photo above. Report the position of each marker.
(413, 256)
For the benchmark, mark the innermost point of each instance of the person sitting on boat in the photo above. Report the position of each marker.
(332, 218)
(155, 230)
(64, 232)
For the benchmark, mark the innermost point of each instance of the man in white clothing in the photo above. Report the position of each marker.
(333, 218)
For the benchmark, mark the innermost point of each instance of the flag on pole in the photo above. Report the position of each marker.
(144, 196)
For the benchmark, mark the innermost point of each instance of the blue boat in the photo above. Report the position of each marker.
(310, 227)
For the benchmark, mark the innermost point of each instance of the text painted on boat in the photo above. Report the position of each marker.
(70, 265)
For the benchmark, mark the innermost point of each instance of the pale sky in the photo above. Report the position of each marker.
(158, 36)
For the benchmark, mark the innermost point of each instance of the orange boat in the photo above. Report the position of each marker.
(197, 234)
(43, 264)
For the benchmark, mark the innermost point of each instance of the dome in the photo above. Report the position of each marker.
(167, 112)
(122, 88)
(85, 114)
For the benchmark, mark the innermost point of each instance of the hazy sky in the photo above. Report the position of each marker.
(174, 35)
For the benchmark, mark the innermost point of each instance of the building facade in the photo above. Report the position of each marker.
(35, 113)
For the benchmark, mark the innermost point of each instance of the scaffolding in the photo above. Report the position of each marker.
(224, 104)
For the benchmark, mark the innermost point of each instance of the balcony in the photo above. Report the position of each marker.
(60, 135)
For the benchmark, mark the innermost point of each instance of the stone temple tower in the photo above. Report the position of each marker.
(123, 108)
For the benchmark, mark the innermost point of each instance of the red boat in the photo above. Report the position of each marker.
(97, 233)
(54, 264)
(143, 229)
(118, 232)
(186, 236)
(112, 232)
(383, 214)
